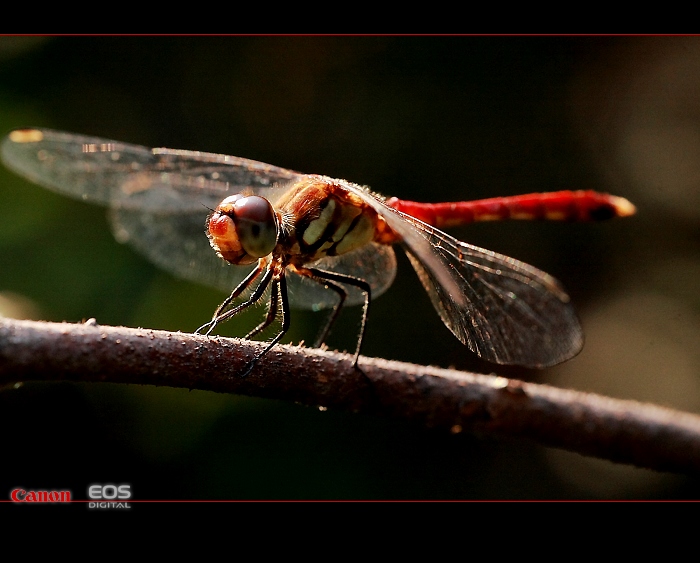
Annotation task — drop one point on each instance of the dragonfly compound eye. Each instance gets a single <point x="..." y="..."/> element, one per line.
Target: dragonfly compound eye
<point x="256" y="225"/>
<point x="243" y="229"/>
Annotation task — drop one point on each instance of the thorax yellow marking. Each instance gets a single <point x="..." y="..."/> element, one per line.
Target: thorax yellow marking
<point x="328" y="219"/>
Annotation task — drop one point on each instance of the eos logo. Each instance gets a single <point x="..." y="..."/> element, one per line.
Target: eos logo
<point x="109" y="492"/>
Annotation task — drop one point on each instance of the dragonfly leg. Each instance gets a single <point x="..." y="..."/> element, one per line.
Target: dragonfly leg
<point x="234" y="294"/>
<point x="220" y="317"/>
<point x="342" y="296"/>
<point x="280" y="290"/>
<point x="271" y="312"/>
<point x="325" y="277"/>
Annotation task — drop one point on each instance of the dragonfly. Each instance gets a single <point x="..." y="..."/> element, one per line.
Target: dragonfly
<point x="266" y="234"/>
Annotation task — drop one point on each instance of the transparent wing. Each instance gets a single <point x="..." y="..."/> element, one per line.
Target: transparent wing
<point x="374" y="263"/>
<point x="131" y="176"/>
<point x="159" y="200"/>
<point x="177" y="243"/>
<point x="504" y="310"/>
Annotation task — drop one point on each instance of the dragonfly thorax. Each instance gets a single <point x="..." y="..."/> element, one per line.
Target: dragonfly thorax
<point x="328" y="220"/>
<point x="243" y="229"/>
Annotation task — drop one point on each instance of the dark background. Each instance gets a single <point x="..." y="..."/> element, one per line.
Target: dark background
<point x="424" y="118"/>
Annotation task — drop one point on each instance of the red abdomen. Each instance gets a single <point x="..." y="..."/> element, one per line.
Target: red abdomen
<point x="554" y="206"/>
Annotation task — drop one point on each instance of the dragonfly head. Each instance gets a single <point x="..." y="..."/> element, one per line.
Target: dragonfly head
<point x="243" y="229"/>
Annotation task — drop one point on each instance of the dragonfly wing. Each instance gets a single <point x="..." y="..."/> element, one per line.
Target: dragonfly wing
<point x="509" y="312"/>
<point x="159" y="199"/>
<point x="177" y="243"/>
<point x="373" y="263"/>
<point x="504" y="310"/>
<point x="120" y="174"/>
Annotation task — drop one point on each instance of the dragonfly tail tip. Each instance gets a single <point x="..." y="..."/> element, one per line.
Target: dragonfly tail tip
<point x="623" y="207"/>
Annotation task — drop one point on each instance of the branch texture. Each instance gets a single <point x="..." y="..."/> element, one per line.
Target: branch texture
<point x="623" y="431"/>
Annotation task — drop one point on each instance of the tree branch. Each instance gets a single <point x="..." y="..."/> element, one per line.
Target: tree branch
<point x="623" y="431"/>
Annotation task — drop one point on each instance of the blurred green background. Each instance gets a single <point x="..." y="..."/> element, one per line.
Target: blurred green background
<point x="424" y="118"/>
